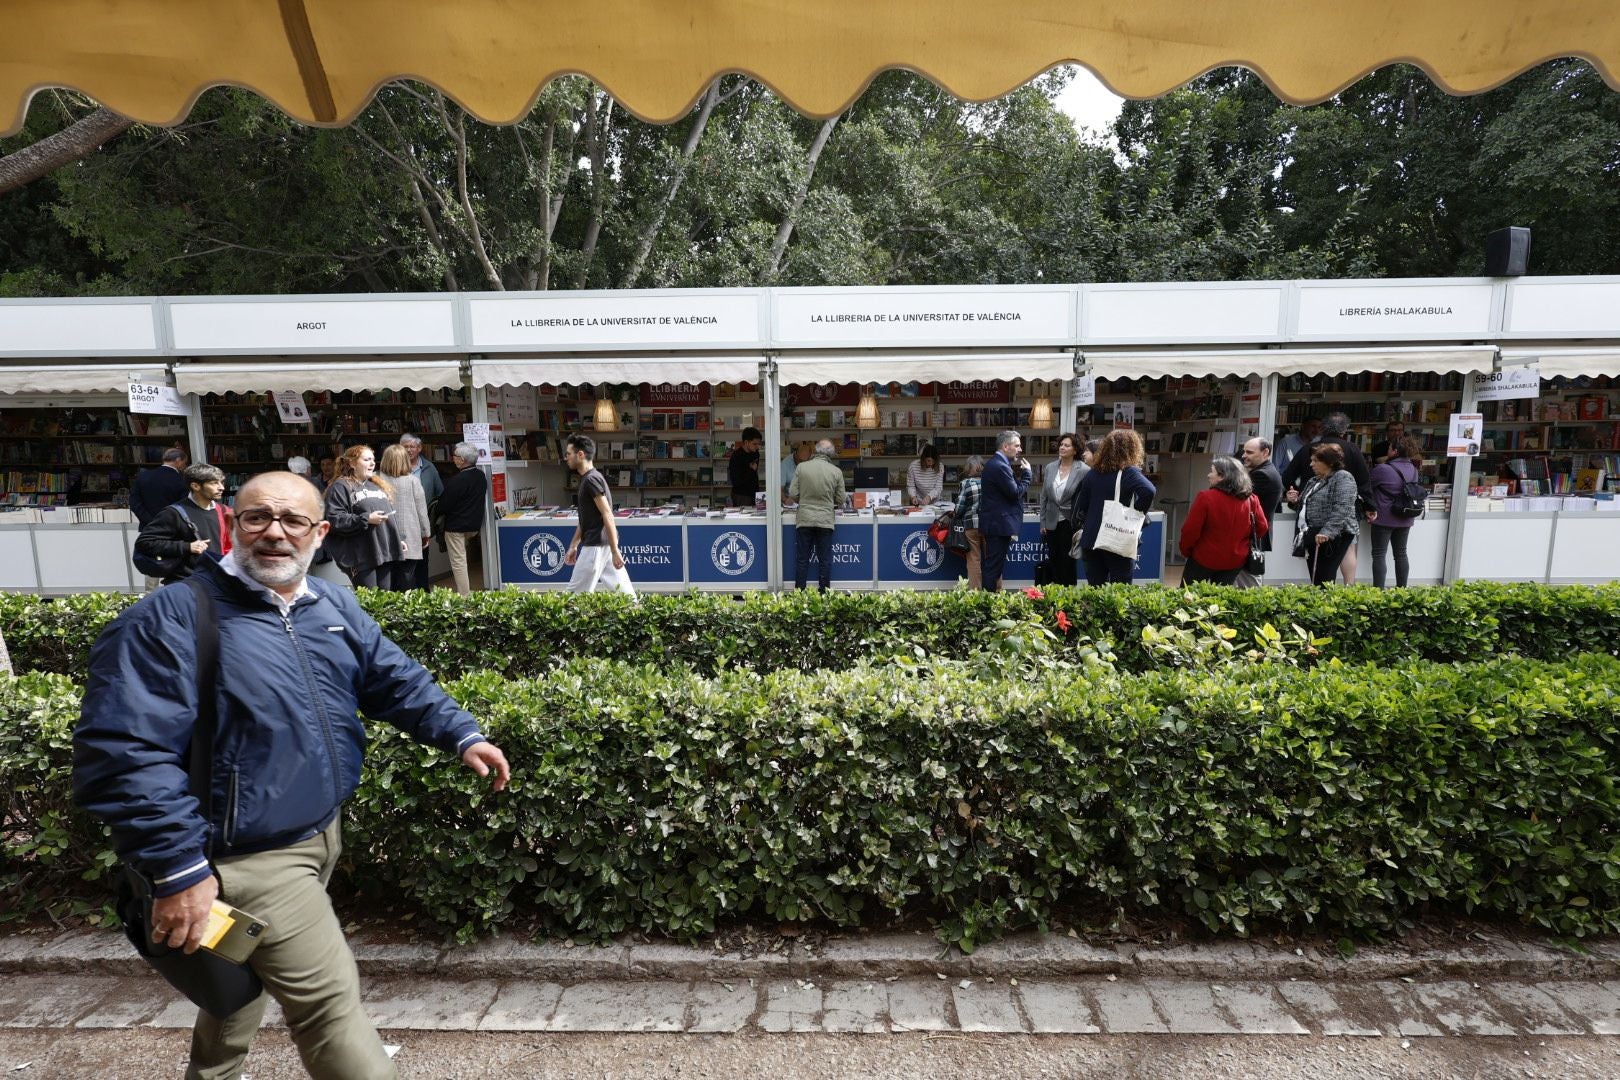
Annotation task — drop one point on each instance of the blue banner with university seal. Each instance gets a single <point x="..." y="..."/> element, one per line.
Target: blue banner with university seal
<point x="727" y="553"/>
<point x="852" y="554"/>
<point x="533" y="554"/>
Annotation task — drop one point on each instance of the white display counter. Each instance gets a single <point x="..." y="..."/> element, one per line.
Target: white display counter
<point x="1425" y="553"/>
<point x="68" y="558"/>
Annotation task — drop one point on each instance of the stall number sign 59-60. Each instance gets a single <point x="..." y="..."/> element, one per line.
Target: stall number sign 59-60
<point x="147" y="397"/>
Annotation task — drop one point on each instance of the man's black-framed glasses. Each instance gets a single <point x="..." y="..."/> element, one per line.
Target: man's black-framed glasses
<point x="256" y="521"/>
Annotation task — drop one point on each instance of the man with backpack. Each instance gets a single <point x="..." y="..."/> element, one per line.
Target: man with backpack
<point x="1399" y="499"/>
<point x="171" y="543"/>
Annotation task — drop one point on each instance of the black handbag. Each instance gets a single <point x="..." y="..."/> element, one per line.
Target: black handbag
<point x="211" y="982"/>
<point x="957" y="540"/>
<point x="1256" y="562"/>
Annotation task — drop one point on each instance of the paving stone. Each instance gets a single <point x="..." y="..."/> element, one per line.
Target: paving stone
<point x="622" y="1006"/>
<point x="1462" y="1009"/>
<point x="1595" y="1004"/>
<point x="882" y="955"/>
<point x="1221" y="961"/>
<point x="48" y="1001"/>
<point x="849" y="1006"/>
<point x="89" y="952"/>
<point x="920" y="1005"/>
<point x="17" y="950"/>
<point x="437" y="1005"/>
<point x="1257" y="1010"/>
<point x="503" y="957"/>
<point x="661" y="960"/>
<point x="126" y="1002"/>
<point x="1535" y="1013"/>
<point x="984" y="1006"/>
<point x="1045" y="954"/>
<point x="386" y="959"/>
<point x="1189" y="1007"/>
<point x="1056" y="1007"/>
<point x="178" y="1014"/>
<point x="522" y="1006"/>
<point x="721" y="1005"/>
<point x="1397" y="1009"/>
<point x="789" y="1006"/>
<point x="1125" y="1007"/>
<point x="1322" y="1010"/>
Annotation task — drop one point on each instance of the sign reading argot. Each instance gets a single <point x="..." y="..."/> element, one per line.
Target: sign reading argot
<point x="290" y="404"/>
<point x="1466" y="431"/>
<point x="155" y="397"/>
<point x="1507" y="384"/>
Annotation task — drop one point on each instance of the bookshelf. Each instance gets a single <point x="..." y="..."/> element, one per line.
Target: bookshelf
<point x="1564" y="442"/>
<point x="246" y="435"/>
<point x="79" y="455"/>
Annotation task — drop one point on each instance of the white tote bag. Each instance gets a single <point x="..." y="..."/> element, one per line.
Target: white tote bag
<point x="1121" y="530"/>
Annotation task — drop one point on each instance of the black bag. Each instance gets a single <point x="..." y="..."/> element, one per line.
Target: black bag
<point x="956" y="541"/>
<point x="211" y="982"/>
<point x="164" y="566"/>
<point x="1256" y="562"/>
<point x="1412" y="501"/>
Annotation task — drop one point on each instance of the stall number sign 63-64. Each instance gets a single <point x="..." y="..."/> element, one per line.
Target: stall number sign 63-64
<point x="146" y="397"/>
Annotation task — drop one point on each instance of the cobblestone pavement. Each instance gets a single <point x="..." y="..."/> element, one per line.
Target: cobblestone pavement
<point x="1394" y="1008"/>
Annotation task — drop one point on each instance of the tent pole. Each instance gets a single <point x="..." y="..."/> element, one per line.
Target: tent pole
<point x="771" y="392"/>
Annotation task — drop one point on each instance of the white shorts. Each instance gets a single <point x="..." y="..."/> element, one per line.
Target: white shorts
<point x="594" y="569"/>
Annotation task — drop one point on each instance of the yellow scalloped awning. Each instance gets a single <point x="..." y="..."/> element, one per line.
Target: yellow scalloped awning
<point x="322" y="60"/>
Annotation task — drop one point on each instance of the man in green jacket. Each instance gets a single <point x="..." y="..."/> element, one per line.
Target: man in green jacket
<point x="818" y="484"/>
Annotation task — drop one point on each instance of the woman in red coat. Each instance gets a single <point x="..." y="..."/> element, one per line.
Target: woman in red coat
<point x="1215" y="536"/>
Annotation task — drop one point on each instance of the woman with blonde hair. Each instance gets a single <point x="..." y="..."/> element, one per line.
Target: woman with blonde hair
<point x="1117" y="468"/>
<point x="410" y="514"/>
<point x="360" y="506"/>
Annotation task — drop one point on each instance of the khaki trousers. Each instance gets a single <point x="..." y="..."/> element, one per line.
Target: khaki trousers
<point x="305" y="965"/>
<point x="455" y="545"/>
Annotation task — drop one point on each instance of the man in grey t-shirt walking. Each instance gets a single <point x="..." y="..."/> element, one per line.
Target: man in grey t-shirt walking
<point x="594" y="551"/>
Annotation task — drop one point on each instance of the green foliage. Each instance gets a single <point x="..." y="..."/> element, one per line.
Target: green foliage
<point x="645" y="797"/>
<point x="526" y="633"/>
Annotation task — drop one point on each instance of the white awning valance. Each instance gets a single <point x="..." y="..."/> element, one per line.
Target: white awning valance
<point x="538" y="371"/>
<point x="1568" y="363"/>
<point x="864" y="367"/>
<point x="1131" y="365"/>
<point x="75" y="378"/>
<point x="335" y="374"/>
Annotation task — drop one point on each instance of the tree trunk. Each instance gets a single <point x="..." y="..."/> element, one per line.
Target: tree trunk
<point x="458" y="132"/>
<point x="73" y="142"/>
<point x="655" y="224"/>
<point x="597" y="126"/>
<point x="773" y="264"/>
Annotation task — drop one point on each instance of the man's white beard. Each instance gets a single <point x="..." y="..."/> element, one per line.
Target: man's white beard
<point x="272" y="575"/>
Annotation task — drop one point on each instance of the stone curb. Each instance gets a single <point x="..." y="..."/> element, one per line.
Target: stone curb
<point x="92" y="952"/>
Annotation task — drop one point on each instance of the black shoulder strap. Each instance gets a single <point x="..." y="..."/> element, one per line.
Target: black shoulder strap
<point x="202" y="735"/>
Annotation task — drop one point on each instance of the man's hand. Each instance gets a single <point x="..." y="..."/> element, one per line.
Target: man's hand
<point x="572" y="556"/>
<point x="484" y="757"/>
<point x="199" y="546"/>
<point x="618" y="559"/>
<point x="179" y="920"/>
<point x="1292" y="496"/>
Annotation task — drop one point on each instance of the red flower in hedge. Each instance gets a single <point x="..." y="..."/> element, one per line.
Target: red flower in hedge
<point x="1063" y="622"/>
<point x="1034" y="593"/>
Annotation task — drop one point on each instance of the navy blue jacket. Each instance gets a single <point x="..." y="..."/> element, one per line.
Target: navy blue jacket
<point x="1097" y="487"/>
<point x="289" y="743"/>
<point x="1001" y="497"/>
<point x="153" y="489"/>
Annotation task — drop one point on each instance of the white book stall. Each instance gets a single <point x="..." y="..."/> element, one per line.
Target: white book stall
<point x="1510" y="385"/>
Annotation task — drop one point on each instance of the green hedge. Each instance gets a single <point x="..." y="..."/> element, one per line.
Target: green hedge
<point x="1347" y="798"/>
<point x="530" y="633"/>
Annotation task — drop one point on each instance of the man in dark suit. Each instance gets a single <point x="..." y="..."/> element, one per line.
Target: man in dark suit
<point x="154" y="489"/>
<point x="1001" y="504"/>
<point x="1265" y="480"/>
